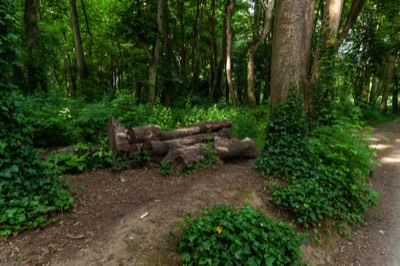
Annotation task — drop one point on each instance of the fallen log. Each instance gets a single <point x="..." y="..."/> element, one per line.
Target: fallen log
<point x="161" y="148"/>
<point x="228" y="149"/>
<point x="141" y="134"/>
<point x="118" y="138"/>
<point x="180" y="158"/>
<point x="202" y="127"/>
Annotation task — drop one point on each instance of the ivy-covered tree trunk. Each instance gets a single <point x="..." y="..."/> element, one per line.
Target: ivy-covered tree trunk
<point x="35" y="69"/>
<point x="289" y="40"/>
<point x="80" y="56"/>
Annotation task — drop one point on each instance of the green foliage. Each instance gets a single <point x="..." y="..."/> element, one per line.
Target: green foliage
<point x="326" y="171"/>
<point x="9" y="37"/>
<point x="29" y="191"/>
<point x="286" y="141"/>
<point x="227" y="236"/>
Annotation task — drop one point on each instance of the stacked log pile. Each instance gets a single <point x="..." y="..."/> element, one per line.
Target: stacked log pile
<point x="180" y="147"/>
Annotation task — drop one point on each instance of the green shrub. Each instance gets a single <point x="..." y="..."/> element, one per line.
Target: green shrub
<point x="286" y="141"/>
<point x="326" y="170"/>
<point x="227" y="236"/>
<point x="29" y="191"/>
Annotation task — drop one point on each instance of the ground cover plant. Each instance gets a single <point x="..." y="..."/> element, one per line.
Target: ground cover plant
<point x="29" y="191"/>
<point x="325" y="169"/>
<point x="237" y="237"/>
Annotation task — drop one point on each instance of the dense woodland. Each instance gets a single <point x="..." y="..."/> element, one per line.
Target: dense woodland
<point x="297" y="76"/>
<point x="163" y="51"/>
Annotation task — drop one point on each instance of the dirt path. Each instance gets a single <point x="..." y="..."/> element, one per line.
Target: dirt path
<point x="106" y="227"/>
<point x="378" y="242"/>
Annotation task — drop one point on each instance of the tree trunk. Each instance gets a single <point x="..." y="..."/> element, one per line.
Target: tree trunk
<point x="197" y="51"/>
<point x="228" y="149"/>
<point x="154" y="55"/>
<point x="388" y="81"/>
<point x="214" y="52"/>
<point x="395" y="98"/>
<point x="289" y="40"/>
<point x="168" y="92"/>
<point x="374" y="91"/>
<point x="267" y="77"/>
<point x="142" y="134"/>
<point x="118" y="139"/>
<point x="367" y="83"/>
<point x="230" y="4"/>
<point x="161" y="148"/>
<point x="180" y="158"/>
<point x="306" y="79"/>
<point x="327" y="44"/>
<point x="203" y="127"/>
<point x="356" y="7"/>
<point x="35" y="70"/>
<point x="181" y="10"/>
<point x="80" y="57"/>
<point x="257" y="40"/>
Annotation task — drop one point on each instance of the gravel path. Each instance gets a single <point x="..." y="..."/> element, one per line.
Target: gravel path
<point x="378" y="242"/>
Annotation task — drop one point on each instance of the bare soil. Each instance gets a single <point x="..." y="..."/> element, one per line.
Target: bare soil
<point x="106" y="227"/>
<point x="378" y="241"/>
<point x="127" y="218"/>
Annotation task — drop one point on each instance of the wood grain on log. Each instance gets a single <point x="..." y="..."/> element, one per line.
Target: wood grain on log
<point x="161" y="148"/>
<point x="117" y="137"/>
<point x="141" y="134"/>
<point x="202" y="127"/>
<point x="227" y="149"/>
<point x="180" y="158"/>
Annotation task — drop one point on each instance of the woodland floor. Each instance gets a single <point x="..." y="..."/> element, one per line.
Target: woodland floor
<point x="106" y="227"/>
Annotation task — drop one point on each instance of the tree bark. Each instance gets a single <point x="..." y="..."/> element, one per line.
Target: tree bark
<point x="289" y="40"/>
<point x="214" y="52"/>
<point x="327" y="44"/>
<point x="142" y="134"/>
<point x="80" y="57"/>
<point x="230" y="4"/>
<point x="395" y="97"/>
<point x="180" y="158"/>
<point x="154" y="55"/>
<point x="161" y="148"/>
<point x="228" y="149"/>
<point x="35" y="70"/>
<point x="388" y="81"/>
<point x="181" y="10"/>
<point x="257" y="40"/>
<point x="168" y="92"/>
<point x="374" y="91"/>
<point x="197" y="51"/>
<point x="118" y="139"/>
<point x="202" y="127"/>
<point x="356" y="7"/>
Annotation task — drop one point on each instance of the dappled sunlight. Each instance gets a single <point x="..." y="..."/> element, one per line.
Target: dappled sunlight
<point x="378" y="146"/>
<point x="372" y="139"/>
<point x="391" y="160"/>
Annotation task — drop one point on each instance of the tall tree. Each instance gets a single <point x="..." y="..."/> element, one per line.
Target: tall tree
<point x="257" y="40"/>
<point x="230" y="4"/>
<point x="35" y="70"/>
<point x="80" y="56"/>
<point x="388" y="80"/>
<point x="154" y="55"/>
<point x="290" y="38"/>
<point x="198" y="28"/>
